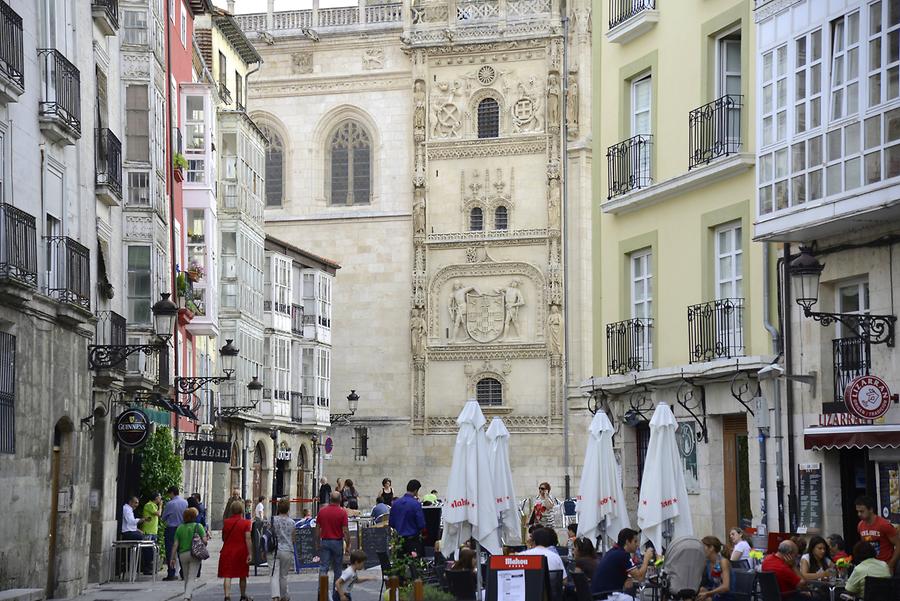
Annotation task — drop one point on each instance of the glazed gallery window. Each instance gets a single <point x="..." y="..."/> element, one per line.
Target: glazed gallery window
<point x="488" y="118"/>
<point x="139" y="284"/>
<point x="489" y="392"/>
<point x="137" y="122"/>
<point x="476" y="220"/>
<point x="135" y="27"/>
<point x="884" y="52"/>
<point x="274" y="168"/>
<point x="844" y="66"/>
<point x="350" y="165"/>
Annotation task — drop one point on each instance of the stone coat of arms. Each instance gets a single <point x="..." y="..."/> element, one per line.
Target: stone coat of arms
<point x="485" y="316"/>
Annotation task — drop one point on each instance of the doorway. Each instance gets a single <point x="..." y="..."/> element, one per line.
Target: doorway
<point x="857" y="479"/>
<point x="281" y="470"/>
<point x="736" y="464"/>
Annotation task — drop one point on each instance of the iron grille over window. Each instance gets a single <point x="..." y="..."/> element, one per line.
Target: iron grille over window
<point x="629" y="345"/>
<point x="716" y="329"/>
<point x="108" y="162"/>
<point x="715" y="129"/>
<point x="69" y="271"/>
<point x="629" y="165"/>
<point x="18" y="245"/>
<point x="12" y="60"/>
<point x="476" y="219"/>
<point x="489" y="392"/>
<point x="501" y="218"/>
<point x="361" y="443"/>
<point x="852" y="358"/>
<point x="350" y="162"/>
<point x="7" y="393"/>
<point x="488" y="118"/>
<point x="61" y="93"/>
<point x="622" y="10"/>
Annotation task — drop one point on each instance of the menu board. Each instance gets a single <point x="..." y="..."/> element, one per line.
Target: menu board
<point x="810" y="497"/>
<point x="305" y="555"/>
<point x="373" y="541"/>
<point x="889" y="490"/>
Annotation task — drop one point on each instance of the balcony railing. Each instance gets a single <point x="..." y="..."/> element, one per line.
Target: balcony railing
<point x="716" y="329"/>
<point x="852" y="358"/>
<point x="61" y="93"/>
<point x="714" y="129"/>
<point x="225" y="93"/>
<point x="12" y="57"/>
<point x="297" y="319"/>
<point x="69" y="271"/>
<point x="629" y="345"/>
<point x="108" y="162"/>
<point x="298" y="402"/>
<point x="111" y="8"/>
<point x="111" y="329"/>
<point x="18" y="246"/>
<point x="622" y="10"/>
<point x="628" y="163"/>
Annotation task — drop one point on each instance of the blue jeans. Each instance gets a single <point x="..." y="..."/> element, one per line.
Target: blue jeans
<point x="170" y="549"/>
<point x="331" y="554"/>
<point x="147" y="559"/>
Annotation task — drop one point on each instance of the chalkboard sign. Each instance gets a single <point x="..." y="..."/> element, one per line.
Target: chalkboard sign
<point x="810" y="495"/>
<point x="305" y="549"/>
<point x="373" y="541"/>
<point x="432" y="525"/>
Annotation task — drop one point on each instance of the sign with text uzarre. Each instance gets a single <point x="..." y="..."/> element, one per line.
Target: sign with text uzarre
<point x="207" y="450"/>
<point x="517" y="578"/>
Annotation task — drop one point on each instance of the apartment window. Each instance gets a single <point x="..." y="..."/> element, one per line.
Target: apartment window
<point x="844" y="76"/>
<point x="172" y="10"/>
<point x="195" y="124"/>
<point x="134" y="25"/>
<point x="183" y="26"/>
<point x="281" y="281"/>
<point x="729" y="261"/>
<point x="360" y="443"/>
<point x="488" y="118"/>
<point x="501" y="218"/>
<point x="808" y="82"/>
<point x="641" y="119"/>
<point x="324" y="300"/>
<point x="476" y="219"/>
<point x="641" y="284"/>
<point x="274" y="168"/>
<point x="729" y="64"/>
<point x="137" y="124"/>
<point x="196" y="171"/>
<point x="774" y="96"/>
<point x="139" y="284"/>
<point x="223" y="70"/>
<point x="852" y="297"/>
<point x="138" y="188"/>
<point x="323" y="378"/>
<point x="884" y="52"/>
<point x="489" y="392"/>
<point x="282" y="364"/>
<point x="7" y="393"/>
<point x="238" y="89"/>
<point x="349" y="161"/>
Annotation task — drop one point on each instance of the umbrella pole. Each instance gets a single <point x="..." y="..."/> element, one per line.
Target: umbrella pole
<point x="478" y="565"/>
<point x="601" y="528"/>
<point x="668" y="526"/>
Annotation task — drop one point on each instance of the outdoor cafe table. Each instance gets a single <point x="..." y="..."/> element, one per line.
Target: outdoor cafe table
<point x="834" y="585"/>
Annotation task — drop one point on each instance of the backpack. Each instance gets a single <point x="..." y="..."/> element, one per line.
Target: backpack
<point x="270" y="540"/>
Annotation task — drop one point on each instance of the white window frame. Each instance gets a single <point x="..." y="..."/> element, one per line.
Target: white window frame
<point x="323" y="299"/>
<point x="638" y="111"/>
<point x="774" y="96"/>
<point x="641" y="306"/>
<point x="135" y="30"/>
<point x="722" y="73"/>
<point x="863" y="293"/>
<point x="844" y="66"/>
<point x="323" y="377"/>
<point x="808" y="98"/>
<point x="734" y="281"/>
<point x="183" y="27"/>
<point x="129" y="294"/>
<point x="880" y="39"/>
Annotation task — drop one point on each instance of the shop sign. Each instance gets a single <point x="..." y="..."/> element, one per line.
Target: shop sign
<point x="207" y="450"/>
<point x="284" y="455"/>
<point x="132" y="428"/>
<point x="842" y="419"/>
<point x="867" y="397"/>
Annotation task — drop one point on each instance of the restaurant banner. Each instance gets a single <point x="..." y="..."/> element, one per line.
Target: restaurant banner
<point x="207" y="450"/>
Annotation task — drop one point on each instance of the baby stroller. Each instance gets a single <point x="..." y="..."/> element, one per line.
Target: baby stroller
<point x="683" y="571"/>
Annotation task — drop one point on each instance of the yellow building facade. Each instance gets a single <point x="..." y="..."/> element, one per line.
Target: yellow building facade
<point x="679" y="286"/>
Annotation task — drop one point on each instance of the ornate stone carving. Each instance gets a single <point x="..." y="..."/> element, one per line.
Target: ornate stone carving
<point x="553" y="203"/>
<point x="512" y="301"/>
<point x="486" y="370"/>
<point x="572" y="106"/>
<point x="554" y="331"/>
<point x="373" y="58"/>
<point x="458" y="306"/>
<point x="553" y="93"/>
<point x="471" y="149"/>
<point x="480" y="352"/>
<point x="517" y="424"/>
<point x="526" y="109"/>
<point x="325" y="85"/>
<point x="446" y="116"/>
<point x="138" y="227"/>
<point x="419" y="111"/>
<point x="488" y="194"/>
<point x="417" y="333"/>
<point x="301" y="62"/>
<point x="494" y="237"/>
<point x="419" y="211"/>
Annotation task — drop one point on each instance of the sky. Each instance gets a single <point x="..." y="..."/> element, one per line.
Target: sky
<point x="259" y="6"/>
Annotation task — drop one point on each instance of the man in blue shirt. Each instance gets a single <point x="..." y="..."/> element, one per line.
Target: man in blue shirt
<point x="615" y="571"/>
<point x="173" y="516"/>
<point x="408" y="519"/>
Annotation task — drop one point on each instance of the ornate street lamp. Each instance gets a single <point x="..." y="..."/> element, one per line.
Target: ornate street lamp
<point x="806" y="271"/>
<point x="254" y="390"/>
<point x="344" y="418"/>
<point x="189" y="385"/>
<point x="108" y="356"/>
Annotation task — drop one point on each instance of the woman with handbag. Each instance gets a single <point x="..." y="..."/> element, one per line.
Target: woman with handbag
<point x="190" y="547"/>
<point x="237" y="550"/>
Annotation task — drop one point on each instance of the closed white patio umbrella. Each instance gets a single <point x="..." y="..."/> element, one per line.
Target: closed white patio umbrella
<point x="501" y="475"/>
<point x="601" y="508"/>
<point x="663" y="493"/>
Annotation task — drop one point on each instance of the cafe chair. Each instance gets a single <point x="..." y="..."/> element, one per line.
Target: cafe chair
<point x="582" y="586"/>
<point x="555" y="578"/>
<point x="743" y="585"/>
<point x="768" y="587"/>
<point x="462" y="584"/>
<point x="882" y="589"/>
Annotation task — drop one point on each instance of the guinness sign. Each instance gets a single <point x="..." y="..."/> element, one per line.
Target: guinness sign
<point x="132" y="428"/>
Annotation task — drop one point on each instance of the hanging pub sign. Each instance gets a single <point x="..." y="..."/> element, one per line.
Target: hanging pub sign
<point x="867" y="397"/>
<point x="207" y="450"/>
<point x="132" y="428"/>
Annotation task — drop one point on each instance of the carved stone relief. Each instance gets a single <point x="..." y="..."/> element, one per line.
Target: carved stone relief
<point x="572" y="106"/>
<point x="446" y="116"/>
<point x="526" y="110"/>
<point x="554" y="331"/>
<point x="419" y="112"/>
<point x="373" y="58"/>
<point x="419" y="211"/>
<point x="301" y="62"/>
<point x="481" y="189"/>
<point x="553" y="101"/>
<point x="417" y="333"/>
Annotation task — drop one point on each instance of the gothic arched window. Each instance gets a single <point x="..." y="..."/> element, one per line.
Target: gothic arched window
<point x="274" y="168"/>
<point x="489" y="392"/>
<point x="488" y="118"/>
<point x="350" y="165"/>
<point x="501" y="218"/>
<point x="476" y="220"/>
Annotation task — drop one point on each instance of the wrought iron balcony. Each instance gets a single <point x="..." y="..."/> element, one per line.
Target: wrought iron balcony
<point x="622" y="10"/>
<point x="224" y="93"/>
<point x="61" y="90"/>
<point x="716" y="329"/>
<point x="69" y="271"/>
<point x="628" y="165"/>
<point x="629" y="345"/>
<point x="12" y="57"/>
<point x="714" y="129"/>
<point x="18" y="246"/>
<point x="111" y="329"/>
<point x="106" y="13"/>
<point x="297" y="319"/>
<point x="108" y="164"/>
<point x="852" y="358"/>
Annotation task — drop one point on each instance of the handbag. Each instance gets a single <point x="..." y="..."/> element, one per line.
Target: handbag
<point x="198" y="547"/>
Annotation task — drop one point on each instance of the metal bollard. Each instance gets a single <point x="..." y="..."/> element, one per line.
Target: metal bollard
<point x="418" y="590"/>
<point x="323" y="587"/>
<point x="394" y="588"/>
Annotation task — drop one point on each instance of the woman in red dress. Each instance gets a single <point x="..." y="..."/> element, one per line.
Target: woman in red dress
<point x="237" y="550"/>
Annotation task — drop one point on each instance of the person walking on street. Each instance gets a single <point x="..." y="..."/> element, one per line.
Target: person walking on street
<point x="332" y="532"/>
<point x="350" y="496"/>
<point x="201" y="509"/>
<point x="151" y="512"/>
<point x="184" y="537"/>
<point x="235" y="496"/>
<point x="387" y="492"/>
<point x="324" y="491"/>
<point x="259" y="513"/>
<point x="285" y="534"/>
<point x="878" y="532"/>
<point x="237" y="550"/>
<point x="173" y="516"/>
<point x="408" y="519"/>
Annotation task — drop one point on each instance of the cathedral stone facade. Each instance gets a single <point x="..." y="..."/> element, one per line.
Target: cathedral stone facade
<point x="423" y="148"/>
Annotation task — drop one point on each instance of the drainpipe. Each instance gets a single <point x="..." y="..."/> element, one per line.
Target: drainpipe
<point x="564" y="150"/>
<point x="764" y="432"/>
<point x="171" y="184"/>
<point x="789" y="389"/>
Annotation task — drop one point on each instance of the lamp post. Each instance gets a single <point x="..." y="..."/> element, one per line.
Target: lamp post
<point x="806" y="272"/>
<point x="254" y="392"/>
<point x="274" y="436"/>
<point x="344" y="418"/>
<point x="108" y="356"/>
<point x="189" y="385"/>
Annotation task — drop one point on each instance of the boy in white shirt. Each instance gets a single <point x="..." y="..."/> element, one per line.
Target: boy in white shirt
<point x="350" y="576"/>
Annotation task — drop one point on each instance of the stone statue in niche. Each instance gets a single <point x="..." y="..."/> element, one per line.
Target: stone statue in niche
<point x="572" y="106"/>
<point x="554" y="330"/>
<point x="458" y="308"/>
<point x="554" y="217"/>
<point x="419" y="100"/>
<point x="512" y="300"/>
<point x="553" y="92"/>
<point x="419" y="211"/>
<point x="417" y="333"/>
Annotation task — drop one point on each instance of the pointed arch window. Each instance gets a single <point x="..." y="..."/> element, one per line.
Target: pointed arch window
<point x="488" y="118"/>
<point x="274" y="167"/>
<point x="489" y="392"/>
<point x="350" y="165"/>
<point x="501" y="218"/>
<point x="476" y="220"/>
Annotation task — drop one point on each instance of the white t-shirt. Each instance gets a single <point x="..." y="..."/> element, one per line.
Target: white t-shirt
<point x="744" y="547"/>
<point x="260" y="511"/>
<point x="827" y="562"/>
<point x="349" y="577"/>
<point x="554" y="561"/>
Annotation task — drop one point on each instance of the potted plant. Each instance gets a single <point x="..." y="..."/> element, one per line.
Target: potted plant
<point x="179" y="164"/>
<point x="195" y="271"/>
<point x="181" y="287"/>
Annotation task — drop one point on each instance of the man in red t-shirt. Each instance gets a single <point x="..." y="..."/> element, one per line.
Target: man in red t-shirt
<point x="878" y="532"/>
<point x="332" y="532"/>
<point x="782" y="564"/>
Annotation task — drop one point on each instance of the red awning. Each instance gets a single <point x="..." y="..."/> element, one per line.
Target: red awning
<point x="846" y="437"/>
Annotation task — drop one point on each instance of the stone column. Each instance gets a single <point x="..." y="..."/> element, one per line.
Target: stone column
<point x="362" y="11"/>
<point x="314" y="23"/>
<point x="270" y="19"/>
